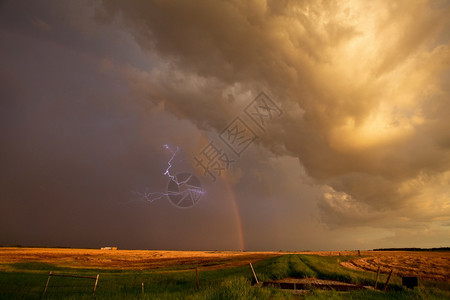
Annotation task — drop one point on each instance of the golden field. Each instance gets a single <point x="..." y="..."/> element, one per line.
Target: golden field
<point x="425" y="264"/>
<point x="128" y="259"/>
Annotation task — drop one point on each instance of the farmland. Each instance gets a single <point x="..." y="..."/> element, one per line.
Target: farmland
<point x="222" y="274"/>
<point x="430" y="265"/>
<point x="128" y="259"/>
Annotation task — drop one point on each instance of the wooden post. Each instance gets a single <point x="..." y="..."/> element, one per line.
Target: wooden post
<point x="142" y="288"/>
<point x="46" y="285"/>
<point x="359" y="253"/>
<point x="387" y="281"/>
<point x="95" y="285"/>
<point x="254" y="274"/>
<point x="196" y="277"/>
<point x="378" y="274"/>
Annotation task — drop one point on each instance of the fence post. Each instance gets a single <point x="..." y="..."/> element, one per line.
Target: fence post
<point x="46" y="285"/>
<point x="387" y="281"/>
<point x="95" y="285"/>
<point x="378" y="274"/>
<point x="254" y="274"/>
<point x="196" y="277"/>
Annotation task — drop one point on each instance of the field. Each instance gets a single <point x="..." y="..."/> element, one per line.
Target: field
<point x="427" y="265"/>
<point x="125" y="274"/>
<point x="128" y="259"/>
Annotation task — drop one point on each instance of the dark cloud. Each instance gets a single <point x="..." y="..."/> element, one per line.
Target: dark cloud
<point x="364" y="84"/>
<point x="95" y="88"/>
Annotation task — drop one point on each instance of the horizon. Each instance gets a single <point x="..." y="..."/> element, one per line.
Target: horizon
<point x="230" y="250"/>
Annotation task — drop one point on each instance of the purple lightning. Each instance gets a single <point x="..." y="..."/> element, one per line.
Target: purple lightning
<point x="194" y="192"/>
<point x="172" y="177"/>
<point x="153" y="196"/>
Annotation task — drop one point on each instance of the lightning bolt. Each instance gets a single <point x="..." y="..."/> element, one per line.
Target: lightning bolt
<point x="167" y="172"/>
<point x="153" y="196"/>
<point x="193" y="192"/>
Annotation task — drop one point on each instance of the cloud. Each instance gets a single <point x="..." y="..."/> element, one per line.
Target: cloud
<point x="360" y="155"/>
<point x="364" y="85"/>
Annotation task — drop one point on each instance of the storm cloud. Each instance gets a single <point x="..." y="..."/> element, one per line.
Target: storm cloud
<point x="361" y="150"/>
<point x="365" y="87"/>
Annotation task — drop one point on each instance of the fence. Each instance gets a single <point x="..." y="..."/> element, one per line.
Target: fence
<point x="71" y="276"/>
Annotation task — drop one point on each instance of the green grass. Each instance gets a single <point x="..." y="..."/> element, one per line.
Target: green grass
<point x="34" y="266"/>
<point x="284" y="266"/>
<point x="27" y="281"/>
<point x="323" y="267"/>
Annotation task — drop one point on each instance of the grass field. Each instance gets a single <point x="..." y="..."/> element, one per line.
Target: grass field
<point x="171" y="275"/>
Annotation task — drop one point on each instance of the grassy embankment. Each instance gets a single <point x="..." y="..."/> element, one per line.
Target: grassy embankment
<point x="27" y="281"/>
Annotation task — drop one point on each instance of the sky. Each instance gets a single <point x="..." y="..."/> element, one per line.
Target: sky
<point x="225" y="125"/>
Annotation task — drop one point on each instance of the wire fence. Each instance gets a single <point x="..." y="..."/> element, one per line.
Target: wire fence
<point x="51" y="284"/>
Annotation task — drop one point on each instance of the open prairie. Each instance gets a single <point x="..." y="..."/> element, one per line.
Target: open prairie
<point x="146" y="274"/>
<point x="424" y="264"/>
<point x="128" y="259"/>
